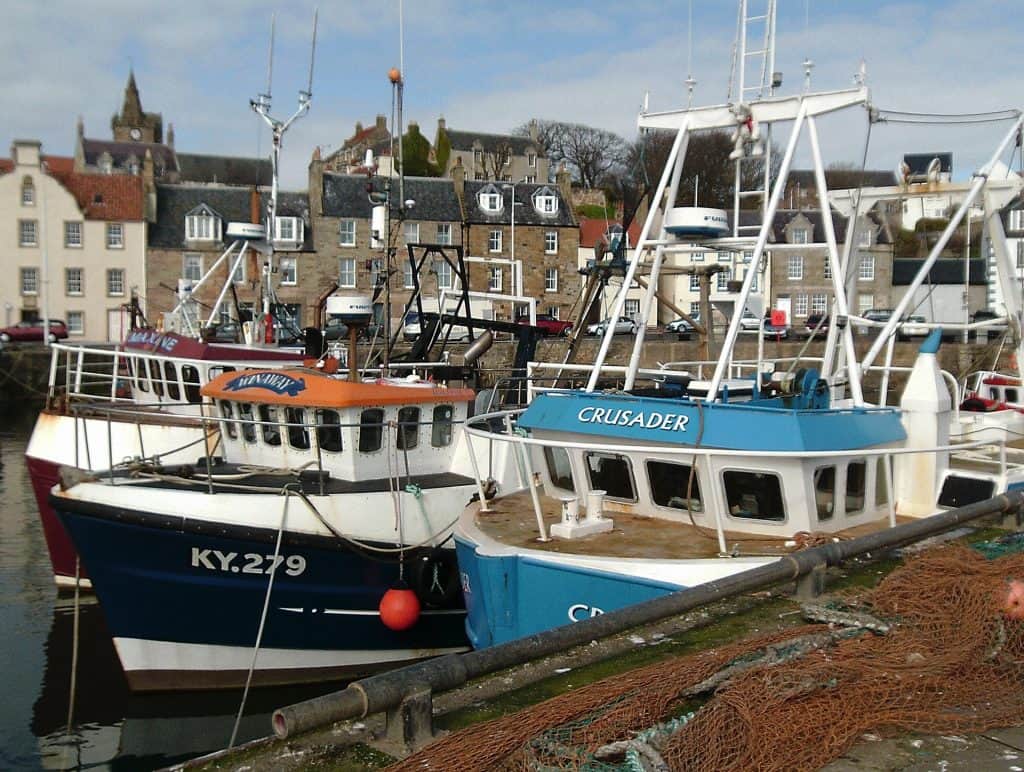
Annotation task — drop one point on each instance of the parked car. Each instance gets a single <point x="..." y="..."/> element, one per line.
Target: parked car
<point x="874" y="315"/>
<point x="749" y="322"/>
<point x="548" y="324"/>
<point x="23" y="332"/>
<point x="777" y="331"/>
<point x="623" y="326"/>
<point x="681" y="325"/>
<point x="812" y="324"/>
<point x="913" y="327"/>
<point x="990" y="333"/>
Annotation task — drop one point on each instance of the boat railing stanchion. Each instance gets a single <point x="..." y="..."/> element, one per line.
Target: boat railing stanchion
<point x="314" y="437"/>
<point x="1002" y="457"/>
<point x="520" y="474"/>
<point x="533" y="487"/>
<point x="110" y="444"/>
<point x="890" y="492"/>
<point x="476" y="470"/>
<point x="206" y="452"/>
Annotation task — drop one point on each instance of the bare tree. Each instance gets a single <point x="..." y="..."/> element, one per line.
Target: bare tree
<point x="496" y="156"/>
<point x="589" y="153"/>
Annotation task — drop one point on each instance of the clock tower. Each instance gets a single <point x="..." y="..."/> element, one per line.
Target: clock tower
<point x="133" y="124"/>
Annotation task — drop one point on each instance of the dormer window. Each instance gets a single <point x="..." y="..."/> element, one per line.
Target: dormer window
<point x="202" y="224"/>
<point x="798" y="236"/>
<point x="28" y="192"/>
<point x="133" y="164"/>
<point x="106" y="163"/>
<point x="864" y="238"/>
<point x="288" y="229"/>
<point x="531" y="160"/>
<point x="545" y="201"/>
<point x="490" y="199"/>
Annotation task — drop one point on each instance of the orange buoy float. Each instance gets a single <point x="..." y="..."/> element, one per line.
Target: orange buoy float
<point x="399" y="608"/>
<point x="1013" y="604"/>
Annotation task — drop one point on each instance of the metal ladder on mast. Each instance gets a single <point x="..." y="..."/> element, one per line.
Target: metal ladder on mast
<point x="752" y="77"/>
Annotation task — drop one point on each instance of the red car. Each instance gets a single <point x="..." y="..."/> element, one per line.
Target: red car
<point x="548" y="324"/>
<point x="33" y="331"/>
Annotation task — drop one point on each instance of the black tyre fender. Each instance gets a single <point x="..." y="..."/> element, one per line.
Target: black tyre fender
<point x="434" y="577"/>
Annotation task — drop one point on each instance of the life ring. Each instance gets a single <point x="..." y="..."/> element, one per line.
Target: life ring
<point x="434" y="577"/>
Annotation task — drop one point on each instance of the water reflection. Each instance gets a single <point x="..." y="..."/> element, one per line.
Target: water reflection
<point x="111" y="727"/>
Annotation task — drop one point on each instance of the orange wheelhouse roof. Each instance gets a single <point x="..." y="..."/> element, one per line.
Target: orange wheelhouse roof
<point x="308" y="388"/>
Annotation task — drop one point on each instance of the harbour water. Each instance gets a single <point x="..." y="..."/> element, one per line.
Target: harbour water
<point x="110" y="728"/>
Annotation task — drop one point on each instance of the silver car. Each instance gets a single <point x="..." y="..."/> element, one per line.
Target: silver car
<point x="623" y="326"/>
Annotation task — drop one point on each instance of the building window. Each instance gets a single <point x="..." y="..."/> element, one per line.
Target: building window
<point x="795" y="267"/>
<point x="27" y="233"/>
<point x="347" y="233"/>
<point x="546" y="203"/>
<point x="289" y="271"/>
<point x="723" y="278"/>
<point x="695" y="309"/>
<point x="748" y="255"/>
<point x="288" y="229"/>
<point x="115" y="281"/>
<point x="494" y="241"/>
<point x="494" y="282"/>
<point x="753" y="281"/>
<point x="798" y="236"/>
<point x="531" y="160"/>
<point x="800" y="305"/>
<point x="697" y="257"/>
<point x="819" y="303"/>
<point x="828" y="268"/>
<point x="506" y="177"/>
<point x="1016" y="220"/>
<point x="192" y="267"/>
<point x="554" y="312"/>
<point x="29" y="281"/>
<point x="76" y="322"/>
<point x="1020" y="254"/>
<point x="478" y="175"/>
<point x="73" y="234"/>
<point x="725" y="257"/>
<point x="238" y="277"/>
<point x="444" y="233"/>
<point x="694" y="283"/>
<point x="866" y="268"/>
<point x="411" y="232"/>
<point x="632" y="308"/>
<point x="115" y="235"/>
<point x="407" y="278"/>
<point x="73" y="281"/>
<point x="551" y="280"/>
<point x="28" y="192"/>
<point x="202" y="227"/>
<point x="865" y="302"/>
<point x="478" y="157"/>
<point x="550" y="242"/>
<point x="530" y="179"/>
<point x="347" y="272"/>
<point x="444" y="275"/>
<point x="490" y="201"/>
<point x="864" y="237"/>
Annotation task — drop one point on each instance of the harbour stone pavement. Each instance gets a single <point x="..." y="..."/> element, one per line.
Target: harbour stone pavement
<point x="993" y="751"/>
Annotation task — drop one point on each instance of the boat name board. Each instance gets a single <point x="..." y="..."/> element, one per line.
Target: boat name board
<point x="669" y="422"/>
<point x="278" y="383"/>
<point x="151" y="338"/>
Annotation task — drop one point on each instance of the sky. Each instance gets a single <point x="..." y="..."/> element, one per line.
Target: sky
<point x="488" y="66"/>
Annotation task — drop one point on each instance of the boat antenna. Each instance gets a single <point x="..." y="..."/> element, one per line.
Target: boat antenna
<point x="808" y="63"/>
<point x="261" y="106"/>
<point x="690" y="81"/>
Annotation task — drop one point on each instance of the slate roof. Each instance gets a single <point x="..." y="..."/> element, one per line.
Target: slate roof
<point x="945" y="271"/>
<point x="173" y="202"/>
<point x="783" y="217"/>
<point x="465" y="140"/>
<point x="163" y="156"/>
<point x="112" y="197"/>
<point x="345" y="195"/>
<point x="224" y="170"/>
<point x="526" y="213"/>
<point x="918" y="162"/>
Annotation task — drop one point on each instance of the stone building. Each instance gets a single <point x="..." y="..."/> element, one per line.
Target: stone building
<point x="350" y="157"/>
<point x="75" y="243"/>
<point x="504" y="157"/>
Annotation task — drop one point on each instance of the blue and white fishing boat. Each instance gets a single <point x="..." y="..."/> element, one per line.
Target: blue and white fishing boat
<point x="344" y="487"/>
<point x="714" y="468"/>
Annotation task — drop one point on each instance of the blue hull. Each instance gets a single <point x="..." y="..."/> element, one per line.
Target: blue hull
<point x="509" y="597"/>
<point x="190" y="582"/>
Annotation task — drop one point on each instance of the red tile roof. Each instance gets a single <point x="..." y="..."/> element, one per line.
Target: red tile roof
<point x="6" y="165"/>
<point x="54" y="163"/>
<point x="593" y="230"/>
<point x="104" y="196"/>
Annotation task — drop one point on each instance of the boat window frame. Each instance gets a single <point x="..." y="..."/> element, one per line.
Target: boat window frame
<point x="248" y="422"/>
<point x="408" y="428"/>
<point x="365" y="425"/>
<point x="172" y="380"/>
<point x="830" y="512"/>
<point x="227" y="417"/>
<point x="323" y="425"/>
<point x="442" y="432"/>
<point x="587" y="455"/>
<point x="190" y="380"/>
<point x="157" y="381"/>
<point x="690" y="468"/>
<point x="549" y="462"/>
<point x="140" y="375"/>
<point x="753" y="471"/>
<point x="847" y="510"/>
<point x="270" y="424"/>
<point x="298" y="426"/>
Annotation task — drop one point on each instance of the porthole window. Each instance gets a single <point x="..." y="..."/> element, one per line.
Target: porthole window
<point x="271" y="431"/>
<point x="408" y="428"/>
<point x="754" y="495"/>
<point x="610" y="472"/>
<point x="328" y="431"/>
<point x="674" y="486"/>
<point x="298" y="434"/>
<point x="441" y="429"/>
<point x="371" y="430"/>
<point x="229" y="419"/>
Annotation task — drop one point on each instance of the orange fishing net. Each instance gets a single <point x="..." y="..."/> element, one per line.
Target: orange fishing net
<point x="944" y="654"/>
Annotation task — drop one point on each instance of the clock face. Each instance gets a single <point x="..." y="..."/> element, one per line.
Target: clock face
<point x="135" y="133"/>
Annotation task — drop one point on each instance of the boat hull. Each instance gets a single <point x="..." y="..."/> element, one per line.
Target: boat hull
<point x="183" y="600"/>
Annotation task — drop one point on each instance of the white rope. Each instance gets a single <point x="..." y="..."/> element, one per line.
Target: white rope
<point x="263" y="618"/>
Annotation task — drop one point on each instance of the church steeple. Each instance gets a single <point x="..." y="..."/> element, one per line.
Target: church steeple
<point x="133" y="124"/>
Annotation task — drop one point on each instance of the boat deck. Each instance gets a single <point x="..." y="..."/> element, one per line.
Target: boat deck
<point x="511" y="521"/>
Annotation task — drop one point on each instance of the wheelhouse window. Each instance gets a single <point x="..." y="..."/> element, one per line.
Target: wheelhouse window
<point x="171" y="374"/>
<point x="856" y="485"/>
<point x="246" y="416"/>
<point x="371" y="430"/>
<point x="298" y="432"/>
<point x="190" y="379"/>
<point x="227" y="414"/>
<point x="268" y="425"/>
<point x="754" y="495"/>
<point x="328" y="431"/>
<point x="408" y="428"/>
<point x="559" y="468"/>
<point x="155" y="377"/>
<point x="675" y="486"/>
<point x="441" y="426"/>
<point x="825" y="492"/>
<point x="611" y="473"/>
